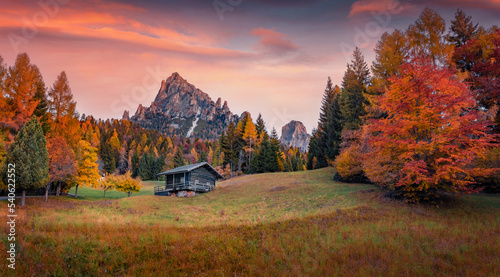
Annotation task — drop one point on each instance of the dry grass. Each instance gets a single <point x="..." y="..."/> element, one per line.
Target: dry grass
<point x="271" y="224"/>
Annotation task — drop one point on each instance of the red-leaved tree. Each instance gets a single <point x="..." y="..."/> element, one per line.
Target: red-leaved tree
<point x="432" y="136"/>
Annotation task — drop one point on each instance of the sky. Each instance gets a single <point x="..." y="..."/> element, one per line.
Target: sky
<point x="263" y="56"/>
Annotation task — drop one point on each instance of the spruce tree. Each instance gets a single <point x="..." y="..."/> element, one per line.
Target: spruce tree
<point x="42" y="109"/>
<point x="325" y="102"/>
<point x="179" y="157"/>
<point x="260" y="126"/>
<point x="332" y="134"/>
<point x="135" y="164"/>
<point x="29" y="154"/>
<point x="146" y="169"/>
<point x="352" y="97"/>
<point x="462" y="29"/>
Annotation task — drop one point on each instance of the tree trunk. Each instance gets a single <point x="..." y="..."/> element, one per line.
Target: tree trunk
<point x="47" y="188"/>
<point x="23" y="198"/>
<point x="58" y="191"/>
<point x="129" y="193"/>
<point x="76" y="190"/>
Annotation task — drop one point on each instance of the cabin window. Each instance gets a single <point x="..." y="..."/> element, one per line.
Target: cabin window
<point x="170" y="179"/>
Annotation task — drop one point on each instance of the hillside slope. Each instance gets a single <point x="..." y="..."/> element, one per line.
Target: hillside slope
<point x="299" y="223"/>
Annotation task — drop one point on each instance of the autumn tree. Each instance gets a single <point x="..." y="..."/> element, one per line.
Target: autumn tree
<point x="480" y="60"/>
<point x="61" y="99"/>
<point x="427" y="37"/>
<point x="250" y="137"/>
<point x="391" y="51"/>
<point x="22" y="82"/>
<point x="29" y="154"/>
<point x="431" y="137"/>
<point x="126" y="183"/>
<point x="88" y="172"/>
<point x="62" y="108"/>
<point x="62" y="163"/>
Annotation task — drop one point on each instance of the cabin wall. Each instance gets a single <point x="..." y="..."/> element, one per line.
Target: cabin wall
<point x="203" y="176"/>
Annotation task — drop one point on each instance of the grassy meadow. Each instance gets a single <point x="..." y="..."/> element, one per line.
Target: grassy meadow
<point x="299" y="223"/>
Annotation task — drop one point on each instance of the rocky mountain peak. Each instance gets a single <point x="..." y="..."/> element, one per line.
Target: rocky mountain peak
<point x="182" y="109"/>
<point x="295" y="134"/>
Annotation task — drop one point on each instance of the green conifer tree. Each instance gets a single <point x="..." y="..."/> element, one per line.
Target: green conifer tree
<point x="28" y="153"/>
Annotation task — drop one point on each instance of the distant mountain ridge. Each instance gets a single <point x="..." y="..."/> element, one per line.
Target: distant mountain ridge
<point x="294" y="134"/>
<point x="182" y="109"/>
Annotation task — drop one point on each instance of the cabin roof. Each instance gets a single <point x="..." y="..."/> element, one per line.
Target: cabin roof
<point x="191" y="167"/>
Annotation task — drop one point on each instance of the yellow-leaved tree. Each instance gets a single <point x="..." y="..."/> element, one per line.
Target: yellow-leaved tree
<point x="128" y="184"/>
<point x="88" y="173"/>
<point x="123" y="183"/>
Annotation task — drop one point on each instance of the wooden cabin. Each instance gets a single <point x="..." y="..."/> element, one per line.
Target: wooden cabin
<point x="188" y="180"/>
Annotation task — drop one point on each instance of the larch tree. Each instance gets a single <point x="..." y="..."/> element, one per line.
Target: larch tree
<point x="23" y="81"/>
<point x="427" y="37"/>
<point x="28" y="153"/>
<point x="391" y="52"/>
<point x="61" y="98"/>
<point x="62" y="163"/>
<point x="62" y="108"/>
<point x="88" y="172"/>
<point x="250" y="137"/>
<point x="432" y="135"/>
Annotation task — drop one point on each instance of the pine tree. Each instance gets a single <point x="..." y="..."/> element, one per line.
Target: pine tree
<point x="42" y="109"/>
<point x="230" y="146"/>
<point x="352" y="97"/>
<point x="146" y="169"/>
<point x="332" y="133"/>
<point x="179" y="157"/>
<point x="107" y="157"/>
<point x="28" y="153"/>
<point x="260" y="126"/>
<point x="135" y="164"/>
<point x="462" y="29"/>
<point x="158" y="166"/>
<point x="325" y="102"/>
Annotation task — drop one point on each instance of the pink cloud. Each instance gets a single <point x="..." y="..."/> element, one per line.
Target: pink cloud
<point x="366" y="6"/>
<point x="274" y="42"/>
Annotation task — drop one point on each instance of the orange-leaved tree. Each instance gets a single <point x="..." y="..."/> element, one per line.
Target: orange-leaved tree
<point x="62" y="163"/>
<point x="433" y="133"/>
